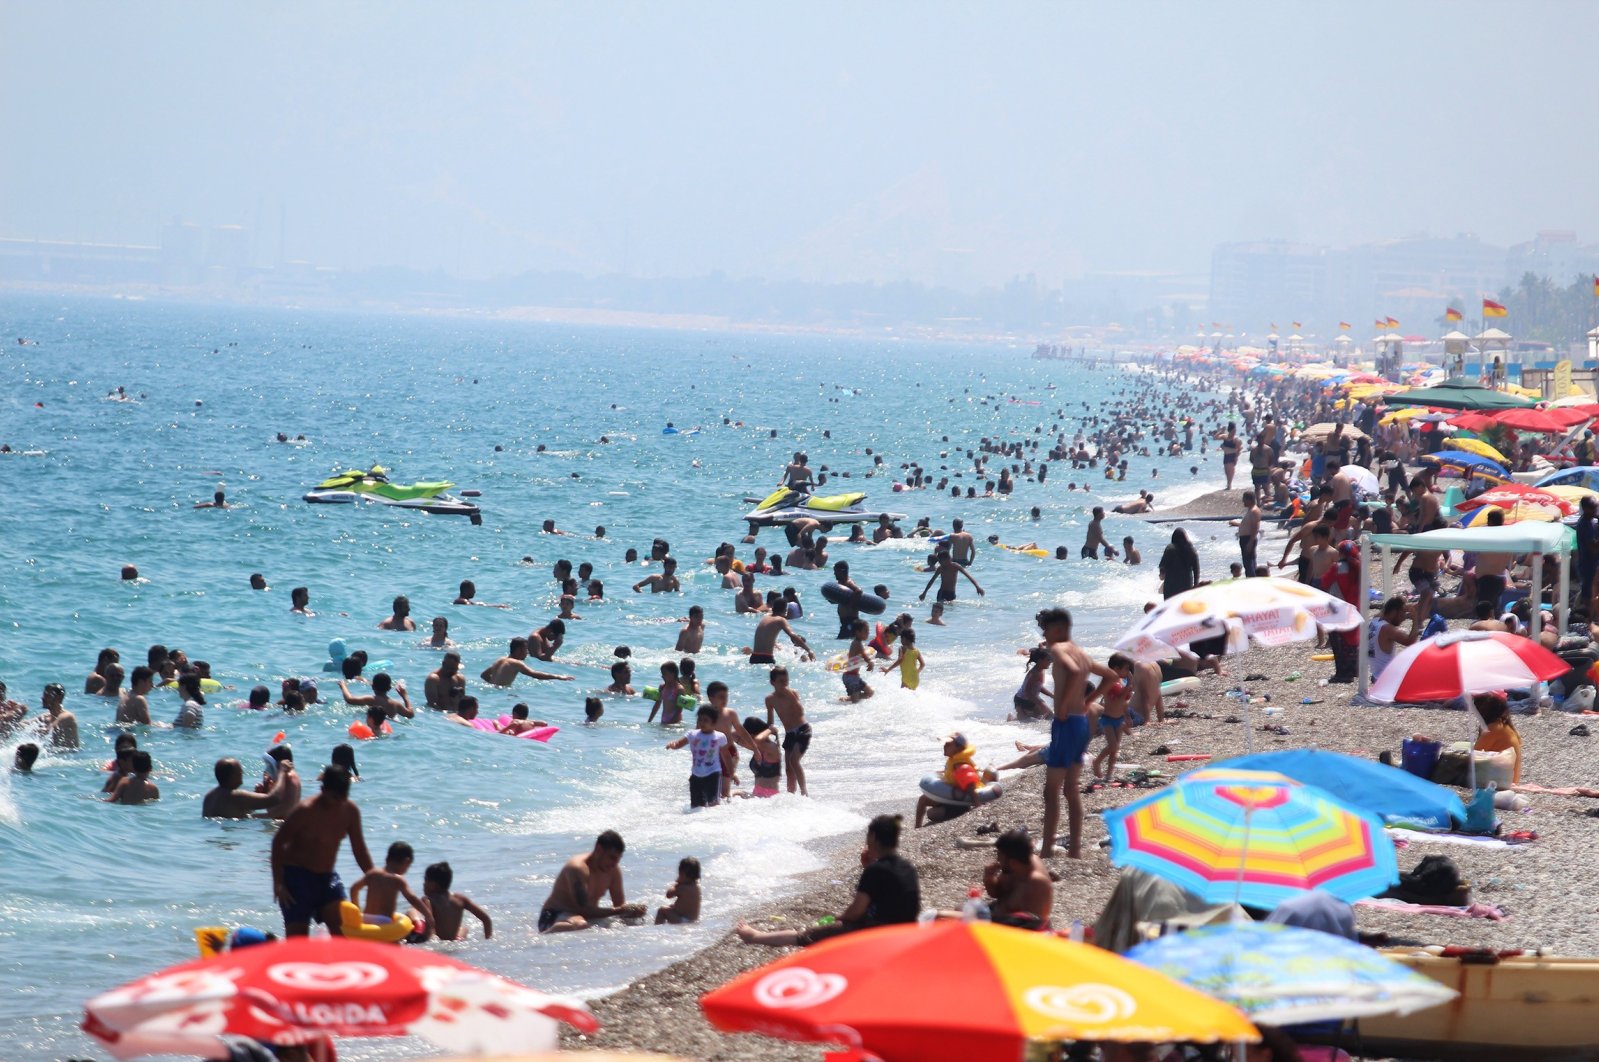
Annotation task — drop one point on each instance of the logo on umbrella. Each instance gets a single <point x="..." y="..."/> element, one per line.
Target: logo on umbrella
<point x="1085" y="1004"/>
<point x="327" y="977"/>
<point x="796" y="987"/>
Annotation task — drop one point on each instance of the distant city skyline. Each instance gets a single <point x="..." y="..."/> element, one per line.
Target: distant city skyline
<point x="950" y="145"/>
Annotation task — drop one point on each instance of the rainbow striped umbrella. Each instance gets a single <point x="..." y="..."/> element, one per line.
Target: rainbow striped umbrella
<point x="1252" y="837"/>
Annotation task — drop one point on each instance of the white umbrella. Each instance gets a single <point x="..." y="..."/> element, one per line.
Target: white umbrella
<point x="1364" y="479"/>
<point x="1270" y="610"/>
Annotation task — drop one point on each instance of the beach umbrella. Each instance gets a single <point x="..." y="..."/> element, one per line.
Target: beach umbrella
<point x="1396" y="795"/>
<point x="968" y="990"/>
<point x="1462" y="663"/>
<point x="1285" y="975"/>
<point x="1458" y="393"/>
<point x="1364" y="479"/>
<point x="1252" y="837"/>
<point x="1576" y="476"/>
<point x="1571" y="493"/>
<point x="1512" y="514"/>
<point x="1513" y="493"/>
<point x="1324" y="431"/>
<point x="1473" y="421"/>
<point x="1459" y="459"/>
<point x="1542" y="421"/>
<point x="1478" y="447"/>
<point x="305" y="989"/>
<point x="1270" y="610"/>
<point x="1584" y="402"/>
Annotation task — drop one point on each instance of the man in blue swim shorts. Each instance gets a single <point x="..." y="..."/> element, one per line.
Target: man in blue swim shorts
<point x="305" y="850"/>
<point x="1068" y="733"/>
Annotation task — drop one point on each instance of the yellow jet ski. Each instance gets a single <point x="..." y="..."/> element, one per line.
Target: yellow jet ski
<point x="786" y="505"/>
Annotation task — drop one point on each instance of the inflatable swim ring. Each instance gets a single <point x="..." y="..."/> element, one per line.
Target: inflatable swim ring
<point x="686" y="701"/>
<point x="1178" y="685"/>
<point x="361" y="732"/>
<point x="866" y="604"/>
<point x="941" y="791"/>
<point x="354" y="924"/>
<point x="207" y="685"/>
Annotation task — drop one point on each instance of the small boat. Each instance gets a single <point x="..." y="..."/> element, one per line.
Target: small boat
<point x="786" y="505"/>
<point x="372" y="485"/>
<point x="1512" y="1005"/>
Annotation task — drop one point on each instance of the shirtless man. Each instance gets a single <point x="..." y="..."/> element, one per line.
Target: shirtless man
<point x="1096" y="538"/>
<point x="945" y="572"/>
<point x="468" y="596"/>
<point x="797" y="476"/>
<point x="582" y="880"/>
<point x="136" y="788"/>
<point x="962" y="547"/>
<point x="692" y="637"/>
<point x="401" y="619"/>
<point x="1248" y="533"/>
<point x="849" y="611"/>
<point x="219" y="500"/>
<point x="765" y="639"/>
<point x="443" y="687"/>
<point x="380" y="697"/>
<point x="1343" y="487"/>
<point x="1493" y="572"/>
<point x="1018" y="881"/>
<point x="1147" y="700"/>
<point x="300" y="601"/>
<point x="503" y="671"/>
<point x="543" y="643"/>
<point x="662" y="582"/>
<point x="58" y="727"/>
<point x="748" y="600"/>
<point x="230" y="800"/>
<point x="305" y="850"/>
<point x="1070" y="669"/>
<point x="133" y="706"/>
<point x="785" y="704"/>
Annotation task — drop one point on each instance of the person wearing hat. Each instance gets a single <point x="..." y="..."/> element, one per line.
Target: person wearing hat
<point x="958" y="753"/>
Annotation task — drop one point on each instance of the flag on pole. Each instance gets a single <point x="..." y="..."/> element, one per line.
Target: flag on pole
<point x="1596" y="286"/>
<point x="1297" y="326"/>
<point x="1452" y="314"/>
<point x="1493" y="309"/>
<point x="1391" y="323"/>
<point x="1381" y="323"/>
<point x="1343" y="326"/>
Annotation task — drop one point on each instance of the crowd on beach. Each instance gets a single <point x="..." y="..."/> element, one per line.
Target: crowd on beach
<point x="1314" y="497"/>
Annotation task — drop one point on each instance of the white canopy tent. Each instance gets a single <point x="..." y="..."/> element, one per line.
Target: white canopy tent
<point x="1536" y="539"/>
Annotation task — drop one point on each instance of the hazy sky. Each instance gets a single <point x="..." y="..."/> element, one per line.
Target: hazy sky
<point x="951" y="143"/>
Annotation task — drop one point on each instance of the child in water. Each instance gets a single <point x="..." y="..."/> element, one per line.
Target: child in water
<point x="910" y="661"/>
<point x="705" y="743"/>
<point x="666" y="697"/>
<point x="684" y="894"/>
<point x="385" y="887"/>
<point x="448" y="907"/>
<point x="1029" y="697"/>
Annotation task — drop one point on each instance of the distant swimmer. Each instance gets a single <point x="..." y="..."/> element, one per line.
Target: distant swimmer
<point x="584" y="879"/>
<point x="130" y="574"/>
<point x="445" y="685"/>
<point x="381" y="697"/>
<point x="300" y="601"/>
<point x="440" y="638"/>
<point x="764" y="642"/>
<point x="400" y="619"/>
<point x="258" y="581"/>
<point x="663" y="582"/>
<point x="219" y="500"/>
<point x="230" y="800"/>
<point x="468" y="594"/>
<point x="504" y="671"/>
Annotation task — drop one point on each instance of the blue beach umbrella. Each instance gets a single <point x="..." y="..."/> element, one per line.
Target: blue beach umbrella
<point x="1578" y="476"/>
<point x="1283" y="975"/>
<point x="1400" y="797"/>
<point x="1462" y="459"/>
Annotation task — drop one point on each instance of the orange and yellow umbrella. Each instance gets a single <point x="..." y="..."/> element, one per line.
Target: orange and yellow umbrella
<point x="968" y="990"/>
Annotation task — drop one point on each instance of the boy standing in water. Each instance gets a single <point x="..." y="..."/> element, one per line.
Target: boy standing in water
<point x="666" y="697"/>
<point x="385" y="887"/>
<point x="855" y="687"/>
<point x="910" y="661"/>
<point x="785" y="704"/>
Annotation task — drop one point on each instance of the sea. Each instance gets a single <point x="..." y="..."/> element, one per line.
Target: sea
<point x="549" y="422"/>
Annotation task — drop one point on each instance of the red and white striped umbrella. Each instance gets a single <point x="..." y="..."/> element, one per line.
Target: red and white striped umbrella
<point x="1461" y="663"/>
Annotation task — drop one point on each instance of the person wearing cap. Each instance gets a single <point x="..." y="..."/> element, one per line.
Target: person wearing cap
<point x="59" y="727"/>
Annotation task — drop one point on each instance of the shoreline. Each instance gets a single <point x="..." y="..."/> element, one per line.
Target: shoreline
<point x="1546" y="888"/>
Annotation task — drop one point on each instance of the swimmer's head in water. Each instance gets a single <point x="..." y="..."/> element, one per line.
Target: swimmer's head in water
<point x="469" y="588"/>
<point x="260" y="696"/>
<point x="129" y="573"/>
<point x="257" y="581"/>
<point x="344" y="756"/>
<point x="467" y="708"/>
<point x="381" y="682"/>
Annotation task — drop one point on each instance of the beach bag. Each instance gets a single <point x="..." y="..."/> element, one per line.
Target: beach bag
<point x="1435" y="879"/>
<point x="1420" y="756"/>
<point x="1450" y="768"/>
<point x="1480" y="818"/>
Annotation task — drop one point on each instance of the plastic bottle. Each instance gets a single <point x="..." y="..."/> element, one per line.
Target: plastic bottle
<point x="974" y="909"/>
<point x="1292" y="676"/>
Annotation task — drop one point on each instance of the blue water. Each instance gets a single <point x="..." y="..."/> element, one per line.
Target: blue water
<point x="92" y="895"/>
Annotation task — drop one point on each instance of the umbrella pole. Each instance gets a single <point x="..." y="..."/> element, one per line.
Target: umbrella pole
<point x="1243" y="854"/>
<point x="1471" y="753"/>
<point x="1362" y="636"/>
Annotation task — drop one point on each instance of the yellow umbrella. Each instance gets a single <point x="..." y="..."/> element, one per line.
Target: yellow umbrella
<point x="1403" y="414"/>
<point x="1478" y="447"/>
<point x="1571" y="492"/>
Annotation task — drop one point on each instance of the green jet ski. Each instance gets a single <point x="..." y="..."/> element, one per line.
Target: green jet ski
<point x="372" y="485"/>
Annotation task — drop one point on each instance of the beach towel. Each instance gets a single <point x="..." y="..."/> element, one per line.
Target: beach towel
<point x="1418" y="837"/>
<point x="1474" y="910"/>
